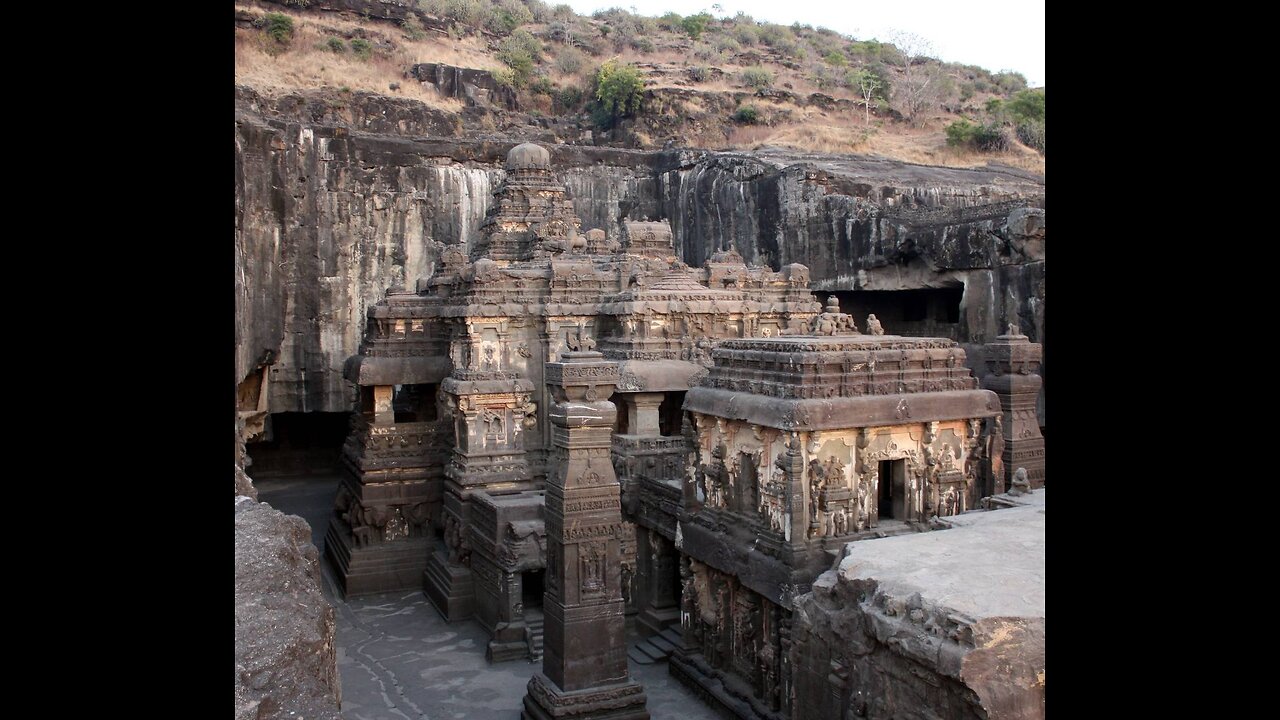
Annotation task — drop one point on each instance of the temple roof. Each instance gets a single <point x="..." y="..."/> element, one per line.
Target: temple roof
<point x="528" y="155"/>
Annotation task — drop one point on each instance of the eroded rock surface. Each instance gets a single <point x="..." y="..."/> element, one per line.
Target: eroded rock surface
<point x="286" y="662"/>
<point x="943" y="624"/>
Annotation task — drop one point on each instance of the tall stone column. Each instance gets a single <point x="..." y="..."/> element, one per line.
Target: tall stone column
<point x="1012" y="365"/>
<point x="584" y="666"/>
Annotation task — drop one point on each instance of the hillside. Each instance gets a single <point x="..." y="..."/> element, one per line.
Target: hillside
<point x="525" y="70"/>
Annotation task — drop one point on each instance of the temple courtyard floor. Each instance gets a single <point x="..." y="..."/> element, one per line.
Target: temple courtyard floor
<point x="399" y="659"/>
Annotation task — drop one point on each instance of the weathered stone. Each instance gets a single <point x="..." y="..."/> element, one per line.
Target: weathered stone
<point x="286" y="663"/>
<point x="945" y="624"/>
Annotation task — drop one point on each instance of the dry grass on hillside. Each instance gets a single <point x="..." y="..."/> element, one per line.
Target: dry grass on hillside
<point x="309" y="64"/>
<point x="836" y="133"/>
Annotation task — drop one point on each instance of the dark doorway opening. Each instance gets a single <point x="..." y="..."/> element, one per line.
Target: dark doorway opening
<point x="669" y="413"/>
<point x="299" y="444"/>
<point x="414" y="403"/>
<point x="747" y="482"/>
<point x="620" y="423"/>
<point x="885" y="506"/>
<point x="925" y="312"/>
<point x="532" y="587"/>
<point x="893" y="491"/>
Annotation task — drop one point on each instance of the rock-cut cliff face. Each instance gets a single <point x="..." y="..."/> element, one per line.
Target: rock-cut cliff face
<point x="333" y="209"/>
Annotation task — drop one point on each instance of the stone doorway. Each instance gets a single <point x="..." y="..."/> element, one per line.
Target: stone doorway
<point x="532" y="587"/>
<point x="893" y="489"/>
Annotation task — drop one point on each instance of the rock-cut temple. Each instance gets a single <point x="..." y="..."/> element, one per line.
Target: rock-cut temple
<point x="560" y="430"/>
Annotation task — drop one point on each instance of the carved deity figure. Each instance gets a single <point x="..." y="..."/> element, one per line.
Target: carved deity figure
<point x="947" y="502"/>
<point x="865" y="485"/>
<point x="418" y="515"/>
<point x="948" y="461"/>
<point x="1020" y="485"/>
<point x="840" y="522"/>
<point x="995" y="450"/>
<point x="715" y="495"/>
<point x="873" y="325"/>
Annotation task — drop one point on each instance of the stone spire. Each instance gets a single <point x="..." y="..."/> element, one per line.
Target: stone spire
<point x="584" y="668"/>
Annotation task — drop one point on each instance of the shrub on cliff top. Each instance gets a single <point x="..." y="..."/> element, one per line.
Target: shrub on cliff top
<point x="278" y="27"/>
<point x="758" y="78"/>
<point x="694" y="25"/>
<point x="619" y="91"/>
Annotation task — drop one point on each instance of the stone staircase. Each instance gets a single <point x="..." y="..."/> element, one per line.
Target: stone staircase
<point x="657" y="647"/>
<point x="533" y="633"/>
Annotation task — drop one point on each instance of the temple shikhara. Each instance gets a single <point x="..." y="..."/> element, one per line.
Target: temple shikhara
<point x="562" y="434"/>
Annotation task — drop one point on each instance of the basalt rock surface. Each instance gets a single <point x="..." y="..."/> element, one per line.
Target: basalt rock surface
<point x="286" y="657"/>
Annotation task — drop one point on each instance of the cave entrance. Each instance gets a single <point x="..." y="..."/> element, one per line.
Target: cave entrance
<point x="926" y="312"/>
<point x="299" y="444"/>
<point x="893" y="490"/>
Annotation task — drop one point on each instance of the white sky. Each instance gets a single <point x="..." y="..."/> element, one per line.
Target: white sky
<point x="994" y="34"/>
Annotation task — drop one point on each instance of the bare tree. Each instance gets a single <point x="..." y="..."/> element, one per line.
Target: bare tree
<point x="922" y="84"/>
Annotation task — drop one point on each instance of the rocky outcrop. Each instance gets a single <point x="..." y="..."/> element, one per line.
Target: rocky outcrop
<point x="286" y="662"/>
<point x="470" y="86"/>
<point x="943" y="624"/>
<point x="331" y="213"/>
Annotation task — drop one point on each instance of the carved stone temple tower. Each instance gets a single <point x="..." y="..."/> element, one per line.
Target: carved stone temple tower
<point x="584" y="668"/>
<point x="1012" y="365"/>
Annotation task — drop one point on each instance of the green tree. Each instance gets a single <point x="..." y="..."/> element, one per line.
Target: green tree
<point x="278" y="27"/>
<point x="870" y="85"/>
<point x="619" y="90"/>
<point x="1027" y="105"/>
<point x="695" y="24"/>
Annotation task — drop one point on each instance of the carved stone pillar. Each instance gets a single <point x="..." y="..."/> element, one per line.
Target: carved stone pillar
<point x="584" y="666"/>
<point x="1012" y="362"/>
<point x="643" y="414"/>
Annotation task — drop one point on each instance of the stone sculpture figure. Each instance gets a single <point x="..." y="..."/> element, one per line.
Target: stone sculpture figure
<point x="873" y="325"/>
<point x="418" y="515"/>
<point x="1020" y="484"/>
<point x="995" y="452"/>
